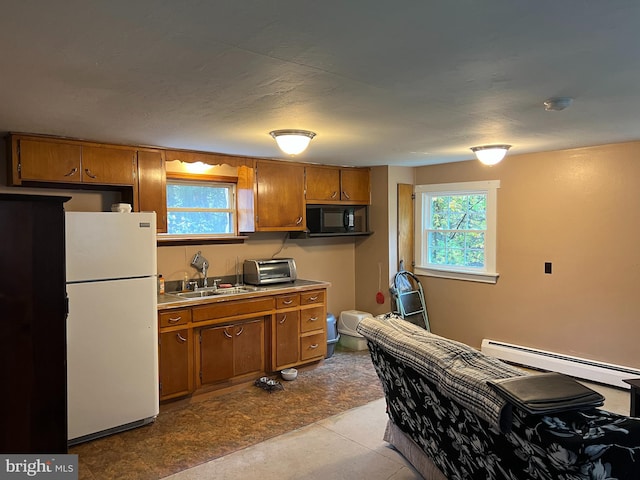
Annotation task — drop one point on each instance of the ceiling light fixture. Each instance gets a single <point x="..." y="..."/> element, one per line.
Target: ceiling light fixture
<point x="556" y="104"/>
<point x="490" y="154"/>
<point x="292" y="142"/>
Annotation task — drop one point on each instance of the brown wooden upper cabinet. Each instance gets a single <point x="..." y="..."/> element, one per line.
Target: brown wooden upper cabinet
<point x="152" y="186"/>
<point x="55" y="160"/>
<point x="334" y="185"/>
<point x="280" y="196"/>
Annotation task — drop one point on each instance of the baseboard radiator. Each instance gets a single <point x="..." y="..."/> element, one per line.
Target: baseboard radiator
<point x="583" y="368"/>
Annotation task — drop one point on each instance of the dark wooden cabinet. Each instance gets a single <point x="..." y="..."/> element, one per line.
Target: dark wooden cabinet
<point x="33" y="375"/>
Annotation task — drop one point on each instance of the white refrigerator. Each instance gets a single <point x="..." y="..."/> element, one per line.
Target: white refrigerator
<point x="112" y="338"/>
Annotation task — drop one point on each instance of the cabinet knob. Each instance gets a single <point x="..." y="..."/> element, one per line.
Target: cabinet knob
<point x="284" y="319"/>
<point x="180" y="338"/>
<point x="299" y="221"/>
<point x="314" y="346"/>
<point x="287" y="302"/>
<point x="89" y="174"/>
<point x="334" y="195"/>
<point x="174" y="320"/>
<point x="346" y="195"/>
<point x="313" y="299"/>
<point x="72" y="172"/>
<point x="313" y="319"/>
<point x="240" y="331"/>
<point x="226" y="334"/>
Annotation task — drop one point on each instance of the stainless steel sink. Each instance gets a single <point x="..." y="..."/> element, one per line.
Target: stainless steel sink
<point x="209" y="292"/>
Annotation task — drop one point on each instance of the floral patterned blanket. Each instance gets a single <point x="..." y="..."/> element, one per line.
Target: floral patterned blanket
<point x="574" y="445"/>
<point x="457" y="370"/>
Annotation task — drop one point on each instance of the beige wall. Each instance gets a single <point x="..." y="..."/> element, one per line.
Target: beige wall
<point x="381" y="248"/>
<point x="373" y="251"/>
<point x="578" y="209"/>
<point x="328" y="259"/>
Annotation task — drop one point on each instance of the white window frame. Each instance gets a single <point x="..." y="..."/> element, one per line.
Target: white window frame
<point x="233" y="210"/>
<point x="488" y="273"/>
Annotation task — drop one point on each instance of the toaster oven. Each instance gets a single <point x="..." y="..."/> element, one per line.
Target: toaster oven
<point x="266" y="272"/>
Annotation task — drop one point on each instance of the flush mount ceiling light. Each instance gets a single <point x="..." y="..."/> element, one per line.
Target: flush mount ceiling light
<point x="556" y="104"/>
<point x="490" y="154"/>
<point x="292" y="142"/>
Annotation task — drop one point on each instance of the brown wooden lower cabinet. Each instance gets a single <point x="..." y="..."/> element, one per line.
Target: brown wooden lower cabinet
<point x="229" y="351"/>
<point x="299" y="329"/>
<point x="287" y="333"/>
<point x="176" y="369"/>
<point x="220" y="344"/>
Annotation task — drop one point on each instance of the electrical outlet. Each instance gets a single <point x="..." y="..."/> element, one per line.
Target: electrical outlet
<point x="547" y="268"/>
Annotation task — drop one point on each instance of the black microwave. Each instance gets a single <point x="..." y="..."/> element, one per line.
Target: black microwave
<point x="337" y="219"/>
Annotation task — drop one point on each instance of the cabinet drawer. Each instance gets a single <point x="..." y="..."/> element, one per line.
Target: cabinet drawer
<point x="174" y="317"/>
<point x="287" y="301"/>
<point x="232" y="309"/>
<point x="312" y="319"/>
<point x="313" y="346"/>
<point x="316" y="296"/>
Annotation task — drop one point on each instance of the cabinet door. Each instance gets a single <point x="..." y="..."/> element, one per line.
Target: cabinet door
<point x="280" y="197"/>
<point x="216" y="354"/>
<point x="248" y="347"/>
<point x="49" y="161"/>
<point x="287" y="335"/>
<point x="176" y="373"/>
<point x="323" y="184"/>
<point x="355" y="185"/>
<point x="108" y="166"/>
<point x="152" y="186"/>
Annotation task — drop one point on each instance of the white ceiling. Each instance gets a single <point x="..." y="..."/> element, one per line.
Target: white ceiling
<point x="404" y="82"/>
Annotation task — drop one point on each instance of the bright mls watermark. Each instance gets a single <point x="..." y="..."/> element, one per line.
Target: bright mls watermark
<point x="53" y="467"/>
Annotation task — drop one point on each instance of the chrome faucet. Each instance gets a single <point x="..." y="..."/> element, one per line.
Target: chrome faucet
<point x="201" y="264"/>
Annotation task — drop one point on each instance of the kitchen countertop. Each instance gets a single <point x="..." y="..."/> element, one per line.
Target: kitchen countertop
<point x="168" y="301"/>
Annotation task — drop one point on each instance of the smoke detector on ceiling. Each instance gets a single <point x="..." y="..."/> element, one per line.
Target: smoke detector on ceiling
<point x="556" y="104"/>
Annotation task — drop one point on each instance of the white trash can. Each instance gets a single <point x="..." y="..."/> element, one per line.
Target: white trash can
<point x="347" y="324"/>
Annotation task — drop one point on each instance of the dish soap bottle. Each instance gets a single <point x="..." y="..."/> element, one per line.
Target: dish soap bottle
<point x="160" y="285"/>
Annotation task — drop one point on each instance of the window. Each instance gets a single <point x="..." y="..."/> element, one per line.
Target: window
<point x="200" y="208"/>
<point x="456" y="230"/>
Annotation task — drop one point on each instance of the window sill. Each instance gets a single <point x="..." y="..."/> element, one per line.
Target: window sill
<point x="168" y="240"/>
<point x="482" y="277"/>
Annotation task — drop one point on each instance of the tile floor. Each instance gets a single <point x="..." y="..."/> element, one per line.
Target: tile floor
<point x="190" y="432"/>
<point x="346" y="446"/>
<point x="327" y="424"/>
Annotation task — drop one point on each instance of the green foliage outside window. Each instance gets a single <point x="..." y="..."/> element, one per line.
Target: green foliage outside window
<point x="457" y="227"/>
<point x="200" y="208"/>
